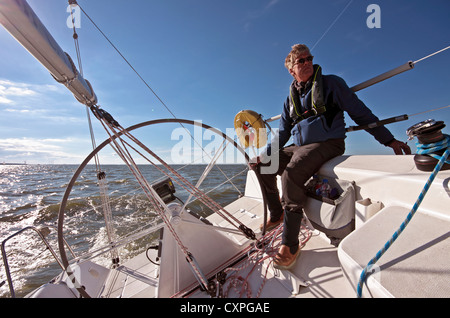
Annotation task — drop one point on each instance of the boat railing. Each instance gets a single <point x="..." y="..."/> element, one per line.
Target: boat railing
<point x="43" y="232"/>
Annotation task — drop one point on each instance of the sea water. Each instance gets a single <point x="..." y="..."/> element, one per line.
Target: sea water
<point x="30" y="195"/>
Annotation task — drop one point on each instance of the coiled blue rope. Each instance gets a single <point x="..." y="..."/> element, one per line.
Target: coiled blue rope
<point x="430" y="149"/>
<point x="423" y="149"/>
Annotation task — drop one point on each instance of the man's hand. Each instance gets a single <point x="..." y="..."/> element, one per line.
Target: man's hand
<point x="399" y="147"/>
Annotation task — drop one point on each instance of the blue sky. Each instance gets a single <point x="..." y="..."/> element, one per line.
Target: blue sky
<point x="209" y="59"/>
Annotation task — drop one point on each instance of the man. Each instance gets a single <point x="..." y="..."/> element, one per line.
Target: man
<point x="313" y="116"/>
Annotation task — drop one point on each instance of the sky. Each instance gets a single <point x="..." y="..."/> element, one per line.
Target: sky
<point x="208" y="59"/>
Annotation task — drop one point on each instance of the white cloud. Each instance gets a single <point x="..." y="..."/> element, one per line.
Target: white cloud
<point x="24" y="111"/>
<point x="4" y="100"/>
<point x="38" y="150"/>
<point x="35" y="101"/>
<point x="31" y="145"/>
<point x="19" y="93"/>
<point x="47" y="115"/>
<point x="8" y="89"/>
<point x="16" y="91"/>
<point x="29" y="111"/>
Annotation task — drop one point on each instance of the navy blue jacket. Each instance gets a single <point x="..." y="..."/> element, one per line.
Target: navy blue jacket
<point x="338" y="98"/>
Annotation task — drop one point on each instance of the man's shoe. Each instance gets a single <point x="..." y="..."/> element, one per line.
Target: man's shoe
<point x="284" y="258"/>
<point x="271" y="225"/>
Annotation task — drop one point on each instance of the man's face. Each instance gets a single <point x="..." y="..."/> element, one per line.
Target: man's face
<point x="303" y="67"/>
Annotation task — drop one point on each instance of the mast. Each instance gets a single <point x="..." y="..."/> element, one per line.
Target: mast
<point x="19" y="19"/>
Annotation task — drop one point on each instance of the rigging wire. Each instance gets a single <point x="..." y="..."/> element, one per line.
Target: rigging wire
<point x="331" y="25"/>
<point x="101" y="176"/>
<point x="158" y="204"/>
<point x="432" y="54"/>
<point x="183" y="182"/>
<point x="80" y="67"/>
<point x="75" y="38"/>
<point x="152" y="196"/>
<point x="156" y="201"/>
<point x="126" y="61"/>
<point x="429" y="111"/>
<point x="148" y="86"/>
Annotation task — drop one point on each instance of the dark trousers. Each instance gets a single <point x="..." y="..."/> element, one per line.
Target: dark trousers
<point x="296" y="165"/>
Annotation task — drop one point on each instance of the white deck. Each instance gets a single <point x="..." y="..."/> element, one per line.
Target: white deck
<point x="318" y="267"/>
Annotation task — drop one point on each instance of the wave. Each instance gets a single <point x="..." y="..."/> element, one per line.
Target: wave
<point x="32" y="196"/>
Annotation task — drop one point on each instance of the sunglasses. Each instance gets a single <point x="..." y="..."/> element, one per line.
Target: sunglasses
<point x="303" y="60"/>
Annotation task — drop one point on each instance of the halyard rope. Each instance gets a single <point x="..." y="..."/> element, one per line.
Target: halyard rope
<point x="272" y="241"/>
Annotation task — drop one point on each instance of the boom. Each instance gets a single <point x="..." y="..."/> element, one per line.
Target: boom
<point x="22" y="23"/>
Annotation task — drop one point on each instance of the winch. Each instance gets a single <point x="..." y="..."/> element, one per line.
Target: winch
<point x="431" y="145"/>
